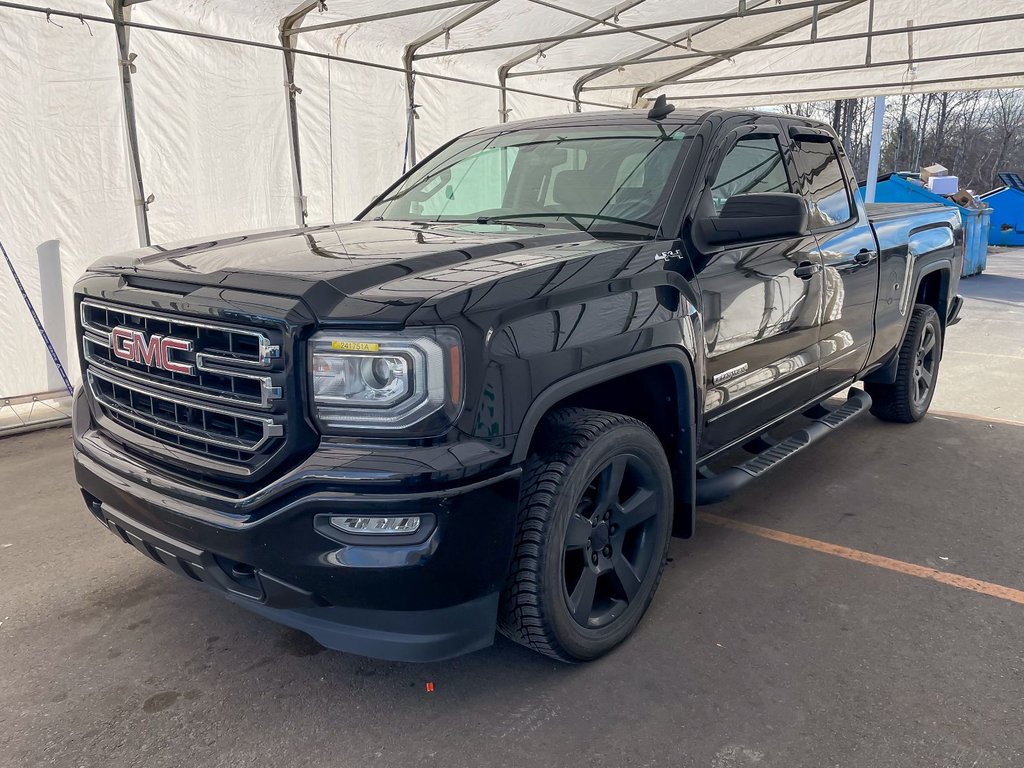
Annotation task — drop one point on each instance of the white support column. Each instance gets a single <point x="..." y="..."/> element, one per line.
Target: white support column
<point x="876" y="148"/>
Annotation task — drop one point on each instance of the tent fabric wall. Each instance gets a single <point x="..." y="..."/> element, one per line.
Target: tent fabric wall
<point x="65" y="197"/>
<point x="213" y="122"/>
<point x="212" y="127"/>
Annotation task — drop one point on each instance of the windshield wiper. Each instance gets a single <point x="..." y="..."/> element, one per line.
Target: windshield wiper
<point x="570" y="217"/>
<point x="507" y="220"/>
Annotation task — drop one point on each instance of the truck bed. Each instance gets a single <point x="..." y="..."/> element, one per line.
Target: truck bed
<point x="886" y="211"/>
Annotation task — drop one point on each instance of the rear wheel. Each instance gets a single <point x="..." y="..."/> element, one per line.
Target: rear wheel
<point x="595" y="521"/>
<point x="907" y="399"/>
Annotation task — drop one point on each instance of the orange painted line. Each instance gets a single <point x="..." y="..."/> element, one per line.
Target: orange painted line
<point x="973" y="417"/>
<point x="910" y="569"/>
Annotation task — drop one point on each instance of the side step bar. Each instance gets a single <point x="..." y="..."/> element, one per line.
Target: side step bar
<point x="713" y="488"/>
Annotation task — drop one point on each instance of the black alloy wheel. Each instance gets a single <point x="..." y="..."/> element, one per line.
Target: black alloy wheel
<point x="908" y="397"/>
<point x="925" y="366"/>
<point x="611" y="541"/>
<point x="595" y="521"/>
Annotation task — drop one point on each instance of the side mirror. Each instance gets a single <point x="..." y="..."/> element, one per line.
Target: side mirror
<point x="756" y="216"/>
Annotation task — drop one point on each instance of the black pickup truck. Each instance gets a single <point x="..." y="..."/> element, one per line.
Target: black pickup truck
<point x="490" y="401"/>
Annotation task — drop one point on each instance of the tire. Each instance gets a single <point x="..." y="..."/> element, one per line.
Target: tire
<point x="595" y="521"/>
<point x="907" y="399"/>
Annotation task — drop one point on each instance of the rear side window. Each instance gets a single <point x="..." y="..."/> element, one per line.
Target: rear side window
<point x="821" y="179"/>
<point x="752" y="165"/>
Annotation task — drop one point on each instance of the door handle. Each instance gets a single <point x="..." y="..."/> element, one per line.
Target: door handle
<point x="807" y="270"/>
<point x="864" y="256"/>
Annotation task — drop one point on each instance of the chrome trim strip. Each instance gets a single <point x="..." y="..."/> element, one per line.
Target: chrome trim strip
<point x="270" y="429"/>
<point x="781" y="383"/>
<point x="111" y="428"/>
<point x="267" y="351"/>
<point x="268" y="392"/>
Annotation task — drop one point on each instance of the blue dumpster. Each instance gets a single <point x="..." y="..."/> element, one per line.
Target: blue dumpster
<point x="1007" y="204"/>
<point x="897" y="188"/>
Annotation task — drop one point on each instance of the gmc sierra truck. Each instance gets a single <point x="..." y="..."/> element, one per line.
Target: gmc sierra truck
<point x="489" y="402"/>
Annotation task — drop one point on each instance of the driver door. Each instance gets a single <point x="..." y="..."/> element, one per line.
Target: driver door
<point x="761" y="300"/>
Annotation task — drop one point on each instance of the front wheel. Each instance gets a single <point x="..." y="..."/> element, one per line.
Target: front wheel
<point x="907" y="399"/>
<point x="595" y="521"/>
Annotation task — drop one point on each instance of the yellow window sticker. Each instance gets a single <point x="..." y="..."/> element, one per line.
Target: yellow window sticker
<point x="355" y="346"/>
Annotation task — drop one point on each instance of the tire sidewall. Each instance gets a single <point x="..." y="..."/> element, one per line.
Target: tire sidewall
<point x="929" y="318"/>
<point x="580" y="642"/>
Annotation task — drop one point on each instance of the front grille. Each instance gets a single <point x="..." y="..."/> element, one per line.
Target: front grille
<point x="218" y="354"/>
<point x="215" y="399"/>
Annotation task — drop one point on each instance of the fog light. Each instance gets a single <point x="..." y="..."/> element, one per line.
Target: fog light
<point x="376" y="525"/>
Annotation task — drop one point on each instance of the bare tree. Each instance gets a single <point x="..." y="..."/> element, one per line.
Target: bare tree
<point x="976" y="134"/>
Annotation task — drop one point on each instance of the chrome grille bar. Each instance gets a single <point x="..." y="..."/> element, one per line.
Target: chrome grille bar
<point x="96" y="352"/>
<point x="265" y="351"/>
<point x="148" y="407"/>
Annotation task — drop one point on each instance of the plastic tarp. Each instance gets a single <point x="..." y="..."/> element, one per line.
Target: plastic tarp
<point x="212" y="116"/>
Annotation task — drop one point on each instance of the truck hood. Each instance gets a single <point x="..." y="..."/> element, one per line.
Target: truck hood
<point x="348" y="271"/>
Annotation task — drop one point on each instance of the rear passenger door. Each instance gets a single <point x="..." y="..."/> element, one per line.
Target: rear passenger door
<point x="848" y="251"/>
<point x="760" y="317"/>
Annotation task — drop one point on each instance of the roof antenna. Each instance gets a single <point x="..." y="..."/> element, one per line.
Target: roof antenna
<point x="661" y="108"/>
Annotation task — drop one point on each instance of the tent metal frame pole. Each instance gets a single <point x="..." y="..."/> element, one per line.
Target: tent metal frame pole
<point x="578" y="86"/>
<point x="622" y="30"/>
<point x="291" y="90"/>
<point x="505" y="70"/>
<point x="871" y="26"/>
<point x="599" y="21"/>
<point x="444" y="28"/>
<point x="729" y="52"/>
<point x="775" y="34"/>
<point x="117" y="8"/>
<point x="381" y="16"/>
<point x="811" y="71"/>
<point x="894" y="86"/>
<point x="877" y="122"/>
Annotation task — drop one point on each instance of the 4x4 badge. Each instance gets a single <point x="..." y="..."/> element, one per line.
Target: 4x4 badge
<point x="666" y="255"/>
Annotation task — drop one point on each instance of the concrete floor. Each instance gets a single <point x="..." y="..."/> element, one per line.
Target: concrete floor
<point x="755" y="652"/>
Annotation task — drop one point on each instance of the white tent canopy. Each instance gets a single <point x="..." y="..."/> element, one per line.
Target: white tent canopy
<point x="244" y="114"/>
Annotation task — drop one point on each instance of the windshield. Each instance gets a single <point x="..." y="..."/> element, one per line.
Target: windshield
<point x="612" y="181"/>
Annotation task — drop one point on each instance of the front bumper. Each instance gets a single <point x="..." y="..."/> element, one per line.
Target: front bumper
<point x="431" y="597"/>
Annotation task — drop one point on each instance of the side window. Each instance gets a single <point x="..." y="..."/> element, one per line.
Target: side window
<point x="822" y="182"/>
<point x="752" y="165"/>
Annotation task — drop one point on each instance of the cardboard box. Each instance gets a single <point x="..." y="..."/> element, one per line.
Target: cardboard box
<point x="965" y="198"/>
<point x="929" y="171"/>
<point x="944" y="185"/>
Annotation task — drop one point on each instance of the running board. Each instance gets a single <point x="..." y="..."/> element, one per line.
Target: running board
<point x="715" y="487"/>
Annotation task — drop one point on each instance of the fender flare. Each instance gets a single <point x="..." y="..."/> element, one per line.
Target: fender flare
<point x="683" y="464"/>
<point x="886" y="374"/>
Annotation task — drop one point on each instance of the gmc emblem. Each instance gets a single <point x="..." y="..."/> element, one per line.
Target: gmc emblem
<point x="131" y="344"/>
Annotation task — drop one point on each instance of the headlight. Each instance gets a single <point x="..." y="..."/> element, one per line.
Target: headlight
<point x="386" y="381"/>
